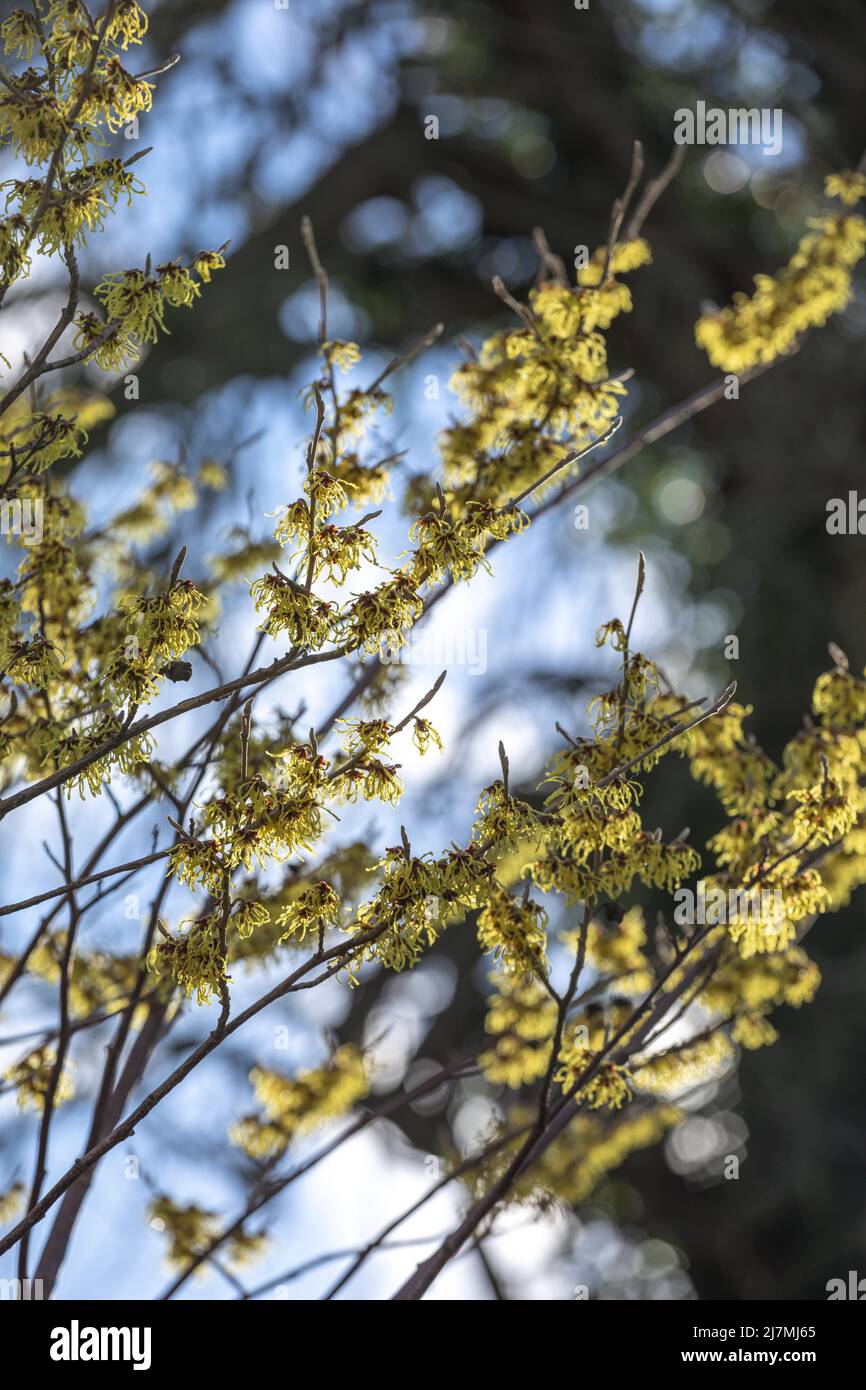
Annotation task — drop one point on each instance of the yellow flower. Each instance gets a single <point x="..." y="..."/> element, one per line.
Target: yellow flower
<point x="681" y="1068"/>
<point x="32" y="1077"/>
<point x="515" y="932"/>
<point x="195" y="959"/>
<point x="191" y="1229"/>
<point x="521" y="1018"/>
<point x="608" y="1085"/>
<point x="307" y="620"/>
<point x="294" y="1105"/>
<point x="849" y="186"/>
<point x="313" y="910"/>
<point x="340" y="354"/>
<point x="814" y="284"/>
<point x="20" y="34"/>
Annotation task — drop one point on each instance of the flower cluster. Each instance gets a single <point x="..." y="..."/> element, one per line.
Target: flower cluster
<point x="521" y="1017"/>
<point x="293" y="1105"/>
<point x="60" y="112"/>
<point x="544" y="388"/>
<point x="191" y="1229"/>
<point x="601" y="1082"/>
<point x="514" y="931"/>
<point x="814" y="284"/>
<point x="33" y="1078"/>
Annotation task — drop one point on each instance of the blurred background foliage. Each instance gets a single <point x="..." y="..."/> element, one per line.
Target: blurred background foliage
<point x="321" y="109"/>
